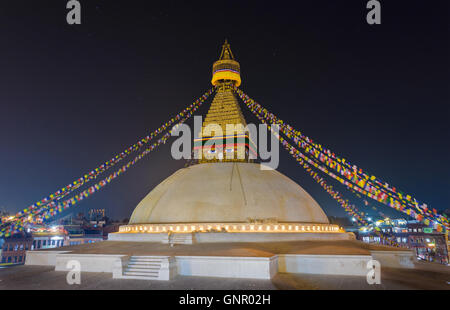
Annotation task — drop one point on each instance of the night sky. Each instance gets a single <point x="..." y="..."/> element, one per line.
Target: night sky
<point x="73" y="96"/>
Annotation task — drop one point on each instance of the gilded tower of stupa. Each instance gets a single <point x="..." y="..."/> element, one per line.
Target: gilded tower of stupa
<point x="223" y="136"/>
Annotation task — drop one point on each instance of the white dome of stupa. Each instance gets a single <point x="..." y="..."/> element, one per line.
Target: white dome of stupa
<point x="227" y="192"/>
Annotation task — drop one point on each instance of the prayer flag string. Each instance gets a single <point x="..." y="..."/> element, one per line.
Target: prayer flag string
<point x="38" y="212"/>
<point x="350" y="179"/>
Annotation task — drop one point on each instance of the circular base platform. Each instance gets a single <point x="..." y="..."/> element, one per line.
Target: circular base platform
<point x="220" y="237"/>
<point x="288" y="227"/>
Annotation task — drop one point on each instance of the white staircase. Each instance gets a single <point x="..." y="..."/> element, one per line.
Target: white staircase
<point x="147" y="268"/>
<point x="178" y="238"/>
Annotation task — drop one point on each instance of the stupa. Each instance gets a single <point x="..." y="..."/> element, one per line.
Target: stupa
<point x="225" y="216"/>
<point x="226" y="197"/>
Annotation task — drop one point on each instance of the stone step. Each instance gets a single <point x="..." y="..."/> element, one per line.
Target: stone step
<point x="139" y="277"/>
<point x="140" y="264"/>
<point x="143" y="265"/>
<point x="143" y="257"/>
<point x="181" y="239"/>
<point x="146" y="260"/>
<point x="154" y="274"/>
<point x="142" y="269"/>
<point x="155" y="257"/>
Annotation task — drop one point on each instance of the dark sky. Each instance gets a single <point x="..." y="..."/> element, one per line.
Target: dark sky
<point x="71" y="97"/>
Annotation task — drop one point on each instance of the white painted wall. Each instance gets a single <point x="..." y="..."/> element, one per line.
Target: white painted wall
<point x="231" y="267"/>
<point x="213" y="237"/>
<point x="42" y="258"/>
<point x="137" y="237"/>
<point x="355" y="265"/>
<point x="89" y="262"/>
<point x="228" y="267"/>
<point x="395" y="259"/>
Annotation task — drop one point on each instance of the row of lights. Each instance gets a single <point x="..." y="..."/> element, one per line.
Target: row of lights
<point x="230" y="228"/>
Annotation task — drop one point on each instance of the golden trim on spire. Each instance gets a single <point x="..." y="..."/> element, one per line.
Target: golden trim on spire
<point x="226" y="52"/>
<point x="226" y="69"/>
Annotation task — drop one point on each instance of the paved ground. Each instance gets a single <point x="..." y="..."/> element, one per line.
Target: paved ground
<point x="426" y="276"/>
<point x="45" y="278"/>
<point x="261" y="249"/>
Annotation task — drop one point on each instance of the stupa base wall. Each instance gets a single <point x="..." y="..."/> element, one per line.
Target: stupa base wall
<point x="231" y="266"/>
<point x="348" y="265"/>
<point x="218" y="237"/>
<point x="227" y="266"/>
<point x="253" y="260"/>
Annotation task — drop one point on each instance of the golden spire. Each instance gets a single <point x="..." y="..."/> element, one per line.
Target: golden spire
<point x="223" y="136"/>
<point x="226" y="52"/>
<point x="226" y="69"/>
